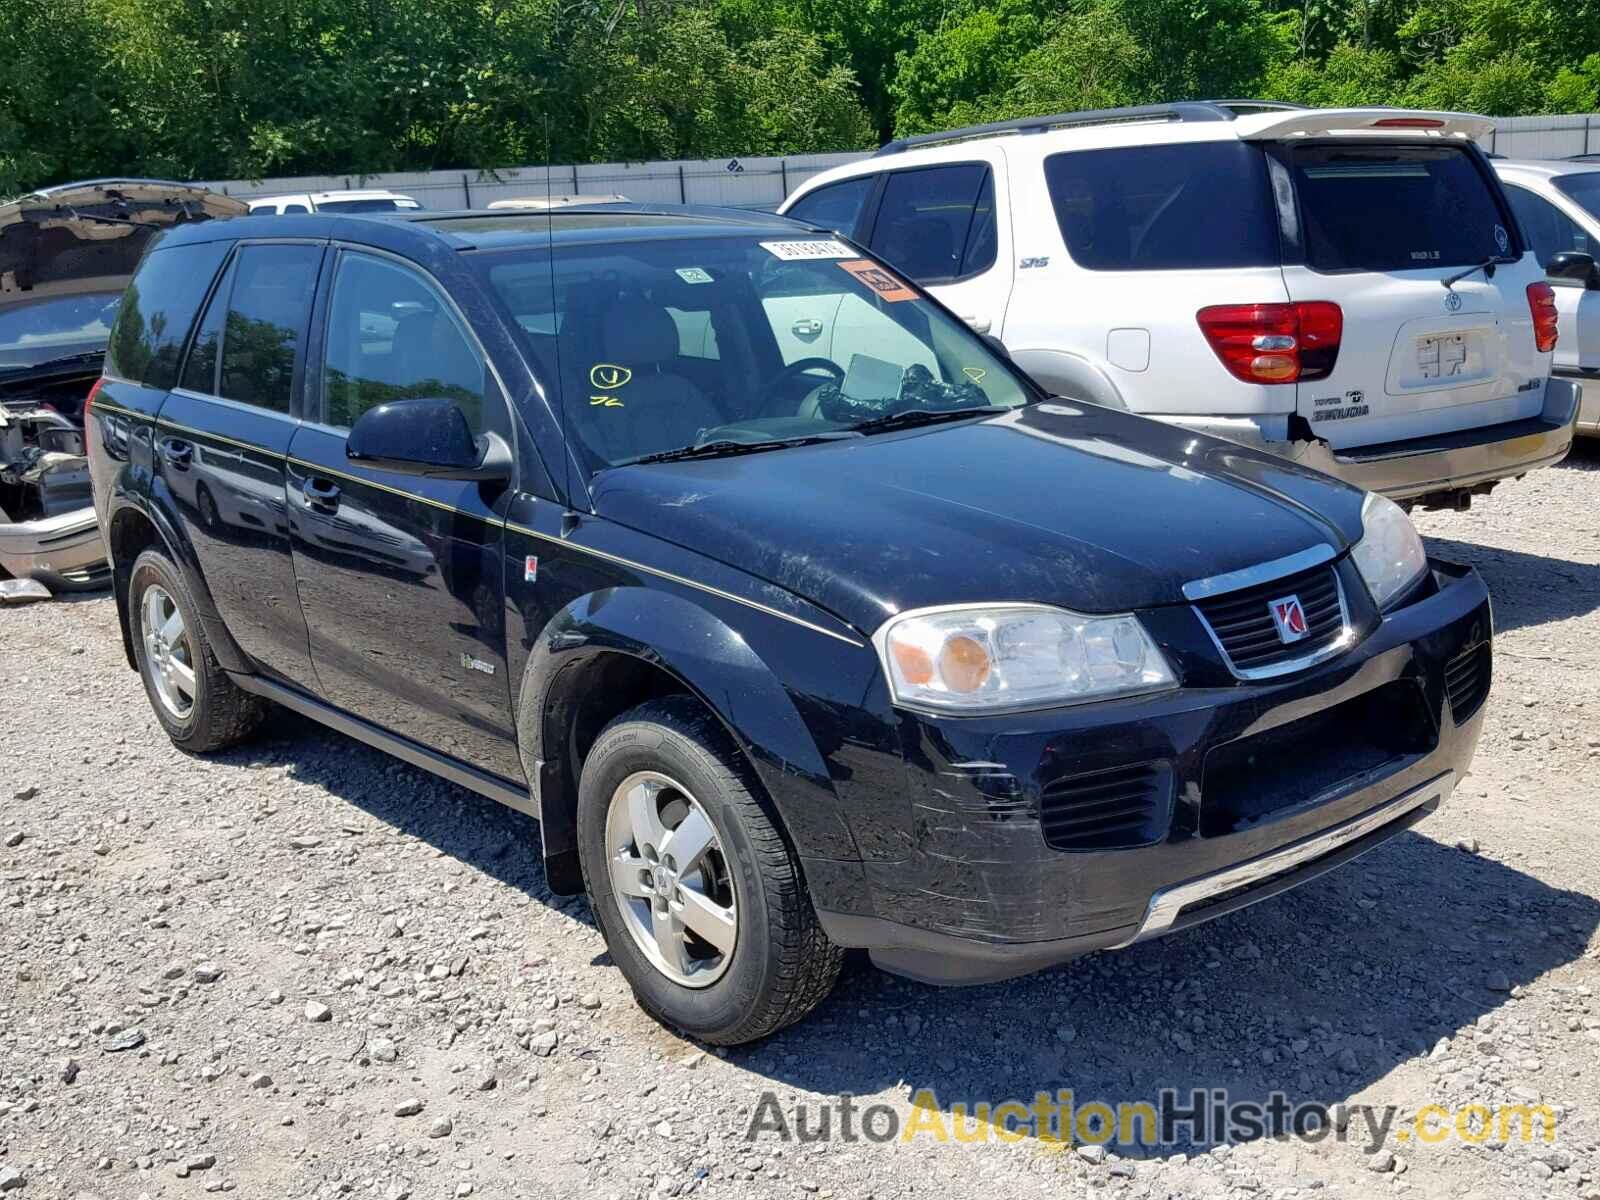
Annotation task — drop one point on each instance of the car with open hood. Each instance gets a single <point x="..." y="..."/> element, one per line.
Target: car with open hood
<point x="875" y="644"/>
<point x="66" y="255"/>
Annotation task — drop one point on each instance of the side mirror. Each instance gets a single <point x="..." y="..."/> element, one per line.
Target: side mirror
<point x="428" y="437"/>
<point x="1574" y="266"/>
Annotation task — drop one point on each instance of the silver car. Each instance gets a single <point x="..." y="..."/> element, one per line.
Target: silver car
<point x="66" y="255"/>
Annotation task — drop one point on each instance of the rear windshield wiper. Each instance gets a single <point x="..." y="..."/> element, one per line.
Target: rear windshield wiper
<point x="1487" y="266"/>
<point x="927" y="416"/>
<point x="728" y="446"/>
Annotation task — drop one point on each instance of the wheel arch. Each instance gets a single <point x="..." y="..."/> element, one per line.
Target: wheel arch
<point x="131" y="529"/>
<point x="610" y="651"/>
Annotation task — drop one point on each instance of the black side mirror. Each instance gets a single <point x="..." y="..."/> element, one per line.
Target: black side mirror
<point x="427" y="437"/>
<point x="1573" y="266"/>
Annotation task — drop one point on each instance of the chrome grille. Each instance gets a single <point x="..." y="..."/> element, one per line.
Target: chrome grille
<point x="1242" y="624"/>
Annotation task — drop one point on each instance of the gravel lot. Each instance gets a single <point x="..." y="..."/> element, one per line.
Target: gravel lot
<point x="304" y="969"/>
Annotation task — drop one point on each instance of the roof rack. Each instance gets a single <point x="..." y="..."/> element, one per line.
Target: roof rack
<point x="1187" y="110"/>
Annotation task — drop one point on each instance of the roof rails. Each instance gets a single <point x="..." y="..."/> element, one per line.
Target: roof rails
<point x="1187" y="110"/>
<point x="1245" y="108"/>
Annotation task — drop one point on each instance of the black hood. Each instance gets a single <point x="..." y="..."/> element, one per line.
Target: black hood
<point x="1056" y="503"/>
<point x="87" y="237"/>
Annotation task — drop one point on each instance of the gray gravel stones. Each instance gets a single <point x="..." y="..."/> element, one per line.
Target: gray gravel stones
<point x="408" y="1108"/>
<point x="317" y="1012"/>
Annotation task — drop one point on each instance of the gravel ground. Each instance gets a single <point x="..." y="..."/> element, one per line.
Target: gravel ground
<point x="304" y="969"/>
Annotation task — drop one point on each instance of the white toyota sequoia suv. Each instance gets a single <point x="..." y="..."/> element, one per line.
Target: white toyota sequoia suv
<point x="1347" y="288"/>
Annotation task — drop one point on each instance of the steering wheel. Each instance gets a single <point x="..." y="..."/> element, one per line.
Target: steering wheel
<point x="777" y="384"/>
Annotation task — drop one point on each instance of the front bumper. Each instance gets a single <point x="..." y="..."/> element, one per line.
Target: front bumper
<point x="1438" y="463"/>
<point x="982" y="896"/>
<point x="64" y="552"/>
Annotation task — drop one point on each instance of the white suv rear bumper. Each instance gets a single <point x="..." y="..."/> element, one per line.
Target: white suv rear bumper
<point x="1444" y="462"/>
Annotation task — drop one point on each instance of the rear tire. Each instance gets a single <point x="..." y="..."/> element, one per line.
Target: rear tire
<point x="197" y="704"/>
<point x="670" y="764"/>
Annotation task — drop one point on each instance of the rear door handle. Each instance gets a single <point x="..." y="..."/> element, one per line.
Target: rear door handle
<point x="175" y="453"/>
<point x="806" y="327"/>
<point x="321" y="493"/>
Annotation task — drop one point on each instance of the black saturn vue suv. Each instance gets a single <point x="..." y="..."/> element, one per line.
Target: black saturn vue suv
<point x="799" y="618"/>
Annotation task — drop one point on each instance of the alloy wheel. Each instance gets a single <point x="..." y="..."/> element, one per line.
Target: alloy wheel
<point x="168" y="651"/>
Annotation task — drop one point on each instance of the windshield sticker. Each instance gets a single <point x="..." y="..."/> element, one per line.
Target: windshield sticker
<point x="1502" y="238"/>
<point x="885" y="285"/>
<point x="975" y="374"/>
<point x="605" y="378"/>
<point x="800" y="251"/>
<point x="694" y="274"/>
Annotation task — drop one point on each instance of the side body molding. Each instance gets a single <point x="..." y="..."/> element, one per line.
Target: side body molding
<point x="705" y="657"/>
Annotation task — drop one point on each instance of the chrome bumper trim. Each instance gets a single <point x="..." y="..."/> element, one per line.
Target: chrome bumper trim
<point x="1167" y="904"/>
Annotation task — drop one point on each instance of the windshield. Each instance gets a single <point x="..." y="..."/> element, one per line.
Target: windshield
<point x="1397" y="208"/>
<point x="662" y="345"/>
<point x="31" y="334"/>
<point x="1582" y="188"/>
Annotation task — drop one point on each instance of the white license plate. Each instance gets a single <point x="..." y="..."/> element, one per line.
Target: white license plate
<point x="1442" y="356"/>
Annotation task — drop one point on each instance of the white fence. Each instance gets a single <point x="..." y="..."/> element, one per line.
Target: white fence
<point x="733" y="182"/>
<point x="763" y="182"/>
<point x="1545" y="137"/>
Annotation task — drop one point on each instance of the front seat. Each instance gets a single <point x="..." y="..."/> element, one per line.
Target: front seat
<point x="652" y="408"/>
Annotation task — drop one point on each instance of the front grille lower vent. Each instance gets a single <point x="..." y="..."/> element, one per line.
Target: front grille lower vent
<point x="1108" y="810"/>
<point x="1466" y="680"/>
<point x="1243" y="625"/>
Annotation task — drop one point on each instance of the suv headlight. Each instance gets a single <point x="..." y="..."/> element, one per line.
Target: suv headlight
<point x="995" y="657"/>
<point x="1389" y="555"/>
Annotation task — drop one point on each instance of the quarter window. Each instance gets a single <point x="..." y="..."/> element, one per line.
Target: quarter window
<point x="836" y="207"/>
<point x="268" y="304"/>
<point x="937" y="224"/>
<point x="393" y="336"/>
<point x="1549" y="229"/>
<point x="158" y="310"/>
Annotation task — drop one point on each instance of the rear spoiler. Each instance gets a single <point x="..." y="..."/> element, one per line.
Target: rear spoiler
<point x="1266" y="126"/>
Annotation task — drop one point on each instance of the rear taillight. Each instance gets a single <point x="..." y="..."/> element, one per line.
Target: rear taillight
<point x="1275" y="343"/>
<point x="88" y="400"/>
<point x="1542" y="304"/>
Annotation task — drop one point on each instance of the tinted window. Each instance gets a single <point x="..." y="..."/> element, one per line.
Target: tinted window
<point x="268" y="305"/>
<point x="928" y="217"/>
<point x="1205" y="205"/>
<point x="157" y="311"/>
<point x="1549" y="229"/>
<point x="365" y="206"/>
<point x="200" y="372"/>
<point x="1583" y="188"/>
<point x="836" y="207"/>
<point x="392" y="336"/>
<point x="1395" y="208"/>
<point x="295" y="208"/>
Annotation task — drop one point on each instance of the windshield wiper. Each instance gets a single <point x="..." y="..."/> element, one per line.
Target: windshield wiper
<point x="1487" y="266"/>
<point x="51" y="364"/>
<point x="721" y="447"/>
<point x="927" y="416"/>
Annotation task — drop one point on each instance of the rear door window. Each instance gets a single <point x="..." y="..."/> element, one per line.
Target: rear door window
<point x="156" y="313"/>
<point x="1197" y="206"/>
<point x="268" y="307"/>
<point x="1396" y="208"/>
<point x="936" y="224"/>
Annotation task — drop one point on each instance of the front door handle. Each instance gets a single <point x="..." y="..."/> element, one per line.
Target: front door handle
<point x="321" y="493"/>
<point x="978" y="324"/>
<point x="806" y="327"/>
<point x="175" y="453"/>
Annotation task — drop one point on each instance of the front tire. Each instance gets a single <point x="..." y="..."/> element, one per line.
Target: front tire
<point x="197" y="704"/>
<point x="699" y="897"/>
